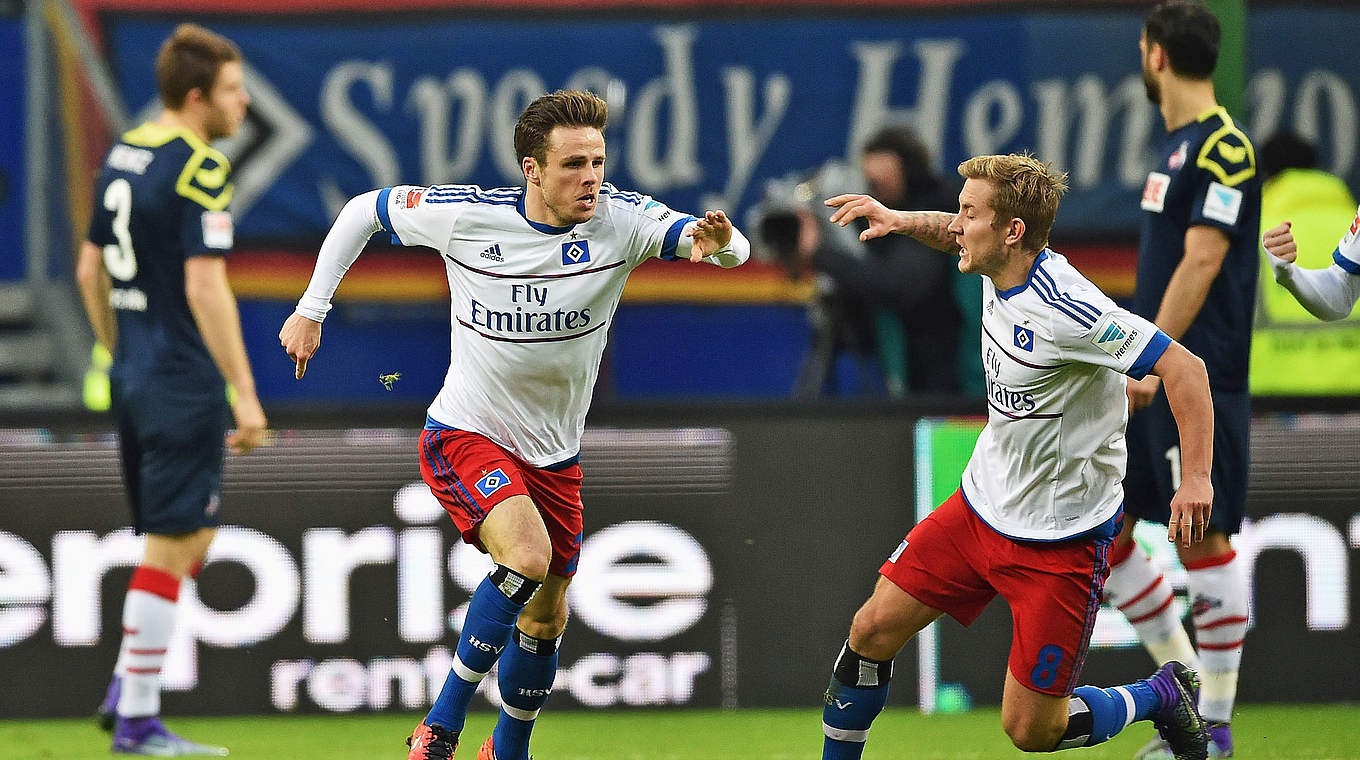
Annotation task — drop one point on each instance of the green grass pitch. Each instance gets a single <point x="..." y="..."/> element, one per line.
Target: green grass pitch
<point x="1299" y="732"/>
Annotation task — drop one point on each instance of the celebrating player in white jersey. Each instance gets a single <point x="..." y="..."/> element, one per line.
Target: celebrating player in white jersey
<point x="1328" y="294"/>
<point x="535" y="274"/>
<point x="1041" y="499"/>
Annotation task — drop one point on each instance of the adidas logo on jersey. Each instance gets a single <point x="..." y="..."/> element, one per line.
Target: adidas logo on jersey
<point x="493" y="253"/>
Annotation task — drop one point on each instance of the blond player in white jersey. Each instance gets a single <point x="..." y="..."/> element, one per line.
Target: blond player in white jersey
<point x="1040" y="502"/>
<point x="535" y="274"/>
<point x="1328" y="294"/>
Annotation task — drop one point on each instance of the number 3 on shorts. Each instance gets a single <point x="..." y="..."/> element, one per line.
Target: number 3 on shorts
<point x="1046" y="671"/>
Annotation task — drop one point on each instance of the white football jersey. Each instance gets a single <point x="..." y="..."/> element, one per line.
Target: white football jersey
<point x="1051" y="460"/>
<point x="1347" y="253"/>
<point x="531" y="304"/>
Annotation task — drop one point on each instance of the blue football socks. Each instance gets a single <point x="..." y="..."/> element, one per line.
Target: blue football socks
<point x="856" y="695"/>
<point x="1095" y="714"/>
<point x="486" y="630"/>
<point x="526" y="675"/>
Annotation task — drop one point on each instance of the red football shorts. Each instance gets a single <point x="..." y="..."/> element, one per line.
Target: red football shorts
<point x="955" y="562"/>
<point x="470" y="475"/>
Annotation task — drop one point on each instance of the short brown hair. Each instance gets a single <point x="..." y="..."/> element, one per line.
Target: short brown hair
<point x="563" y="108"/>
<point x="189" y="58"/>
<point x="1026" y="188"/>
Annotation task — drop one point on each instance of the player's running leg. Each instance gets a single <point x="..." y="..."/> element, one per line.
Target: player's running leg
<point x="1138" y="588"/>
<point x="860" y="678"/>
<point x="149" y="613"/>
<point x="514" y="535"/>
<point x="1094" y="715"/>
<point x="527" y="669"/>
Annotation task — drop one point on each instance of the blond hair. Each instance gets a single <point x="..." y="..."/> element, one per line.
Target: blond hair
<point x="1026" y="188"/>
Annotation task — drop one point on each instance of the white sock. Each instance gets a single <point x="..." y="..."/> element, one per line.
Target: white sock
<point x="148" y="621"/>
<point x="1140" y="590"/>
<point x="1218" y="607"/>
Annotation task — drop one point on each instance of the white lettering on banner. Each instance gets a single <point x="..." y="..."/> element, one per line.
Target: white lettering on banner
<point x="1082" y="124"/>
<point x="596" y="680"/>
<point x="329" y="557"/>
<point x="24" y="589"/>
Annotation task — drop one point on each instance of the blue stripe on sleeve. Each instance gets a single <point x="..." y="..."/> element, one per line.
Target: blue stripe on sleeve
<point x="383" y="218"/>
<point x="1345" y="263"/>
<point x="1151" y="353"/>
<point x="673" y="237"/>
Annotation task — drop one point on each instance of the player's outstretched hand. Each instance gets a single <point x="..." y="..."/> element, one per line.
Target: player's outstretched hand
<point x="1279" y="242"/>
<point x="250" y="424"/>
<point x="851" y="206"/>
<point x="300" y="338"/>
<point x="1190" y="510"/>
<point x="711" y="234"/>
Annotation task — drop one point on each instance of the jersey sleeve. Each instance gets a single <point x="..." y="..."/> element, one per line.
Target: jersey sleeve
<point x="1226" y="160"/>
<point x="425" y="216"/>
<point x="203" y="193"/>
<point x="1107" y="335"/>
<point x="1347" y="253"/>
<point x="655" y="227"/>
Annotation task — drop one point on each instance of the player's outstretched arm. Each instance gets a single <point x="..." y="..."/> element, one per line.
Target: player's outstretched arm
<point x="301" y="332"/>
<point x="1187" y="391"/>
<point x="213" y="305"/>
<point x="1328" y="294"/>
<point x="929" y="227"/>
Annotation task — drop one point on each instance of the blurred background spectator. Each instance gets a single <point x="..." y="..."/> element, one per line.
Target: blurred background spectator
<point x="1293" y="353"/>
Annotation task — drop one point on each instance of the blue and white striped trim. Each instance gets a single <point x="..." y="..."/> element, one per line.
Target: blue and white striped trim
<point x="1345" y="263"/>
<point x="501" y="196"/>
<point x="637" y="199"/>
<point x="845" y="734"/>
<point x="1081" y="312"/>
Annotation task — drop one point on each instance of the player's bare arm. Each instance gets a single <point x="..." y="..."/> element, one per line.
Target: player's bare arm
<point x="219" y="322"/>
<point x="1187" y="391"/>
<point x="1205" y="248"/>
<point x="94" y="283"/>
<point x="300" y="338"/>
<point x="929" y="227"/>
<point x="711" y="234"/>
<point x="1279" y="242"/>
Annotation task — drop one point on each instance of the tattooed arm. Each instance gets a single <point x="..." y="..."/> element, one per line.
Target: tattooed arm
<point x="929" y="227"/>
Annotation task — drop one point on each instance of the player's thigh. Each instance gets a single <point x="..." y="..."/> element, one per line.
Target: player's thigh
<point x="557" y="494"/>
<point x="177" y="554"/>
<point x="1054" y="591"/>
<point x="888" y="620"/>
<point x="472" y="478"/>
<point x="180" y="444"/>
<point x="943" y="561"/>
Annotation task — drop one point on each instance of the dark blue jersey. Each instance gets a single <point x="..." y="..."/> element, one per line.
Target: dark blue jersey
<point x="1205" y="175"/>
<point x="161" y="198"/>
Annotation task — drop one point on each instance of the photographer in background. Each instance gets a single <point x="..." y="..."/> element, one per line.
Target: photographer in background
<point x="891" y="297"/>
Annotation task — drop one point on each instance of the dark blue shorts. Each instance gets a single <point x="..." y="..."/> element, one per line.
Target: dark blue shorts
<point x="1154" y="455"/>
<point x="172" y="450"/>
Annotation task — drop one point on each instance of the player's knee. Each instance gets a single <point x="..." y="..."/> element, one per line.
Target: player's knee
<point x="869" y="630"/>
<point x="1030" y="733"/>
<point x="528" y="560"/>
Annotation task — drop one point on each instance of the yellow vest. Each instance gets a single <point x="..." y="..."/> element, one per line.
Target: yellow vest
<point x="1292" y="352"/>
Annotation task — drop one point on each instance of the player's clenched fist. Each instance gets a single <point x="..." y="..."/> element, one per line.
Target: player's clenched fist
<point x="1279" y="242"/>
<point x="300" y="338"/>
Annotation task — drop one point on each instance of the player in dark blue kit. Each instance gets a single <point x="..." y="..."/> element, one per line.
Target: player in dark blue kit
<point x="152" y="273"/>
<point x="1197" y="272"/>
